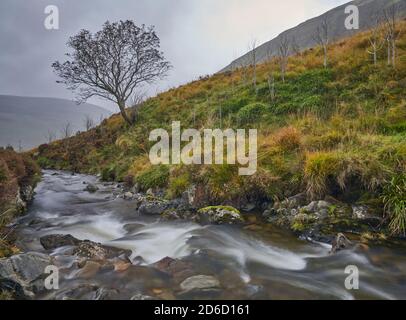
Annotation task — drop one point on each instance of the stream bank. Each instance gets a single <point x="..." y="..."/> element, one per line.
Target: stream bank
<point x="109" y="246"/>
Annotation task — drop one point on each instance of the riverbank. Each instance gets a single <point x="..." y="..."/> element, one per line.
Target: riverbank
<point x="110" y="244"/>
<point x="19" y="175"/>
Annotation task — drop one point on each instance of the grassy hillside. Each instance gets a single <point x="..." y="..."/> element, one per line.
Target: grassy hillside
<point x="18" y="175"/>
<point x="339" y="131"/>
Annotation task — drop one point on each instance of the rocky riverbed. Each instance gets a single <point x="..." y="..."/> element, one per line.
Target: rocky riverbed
<point x="108" y="242"/>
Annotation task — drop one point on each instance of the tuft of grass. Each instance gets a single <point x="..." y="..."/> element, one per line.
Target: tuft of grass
<point x="288" y="139"/>
<point x="394" y="198"/>
<point x="155" y="177"/>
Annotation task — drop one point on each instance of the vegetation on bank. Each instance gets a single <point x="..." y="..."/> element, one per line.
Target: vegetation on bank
<point x="17" y="172"/>
<point x="338" y="131"/>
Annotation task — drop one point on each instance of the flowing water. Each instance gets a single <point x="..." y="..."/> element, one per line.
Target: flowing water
<point x="256" y="261"/>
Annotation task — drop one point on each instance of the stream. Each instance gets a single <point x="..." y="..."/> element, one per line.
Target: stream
<point x="254" y="261"/>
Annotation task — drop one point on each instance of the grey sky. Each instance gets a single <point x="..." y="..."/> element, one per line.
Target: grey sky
<point x="198" y="36"/>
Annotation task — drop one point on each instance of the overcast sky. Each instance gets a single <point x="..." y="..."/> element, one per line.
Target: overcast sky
<point x="198" y="37"/>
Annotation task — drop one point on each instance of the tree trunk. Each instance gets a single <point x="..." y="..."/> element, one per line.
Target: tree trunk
<point x="375" y="58"/>
<point x="393" y="52"/>
<point x="389" y="58"/>
<point x="325" y="56"/>
<point x="121" y="105"/>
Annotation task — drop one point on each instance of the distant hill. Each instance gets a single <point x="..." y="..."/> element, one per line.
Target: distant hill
<point x="304" y="33"/>
<point x="25" y="121"/>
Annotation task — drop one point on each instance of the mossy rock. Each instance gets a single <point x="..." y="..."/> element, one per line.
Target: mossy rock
<point x="220" y="215"/>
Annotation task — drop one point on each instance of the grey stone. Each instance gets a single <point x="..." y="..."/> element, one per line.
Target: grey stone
<point x="200" y="282"/>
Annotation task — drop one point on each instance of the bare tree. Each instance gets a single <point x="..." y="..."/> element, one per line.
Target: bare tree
<point x="376" y="40"/>
<point x="271" y="86"/>
<point x="283" y="49"/>
<point x="88" y="122"/>
<point x="271" y="76"/>
<point x="390" y="16"/>
<point x="321" y="37"/>
<point x="50" y="136"/>
<point x="66" y="130"/>
<point x="295" y="47"/>
<point x="112" y="63"/>
<point x="253" y="49"/>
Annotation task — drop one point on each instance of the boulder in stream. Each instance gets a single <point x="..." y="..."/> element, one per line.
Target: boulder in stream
<point x="19" y="273"/>
<point x="84" y="248"/>
<point x="220" y="215"/>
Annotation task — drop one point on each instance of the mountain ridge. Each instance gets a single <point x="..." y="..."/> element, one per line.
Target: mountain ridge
<point x="303" y="32"/>
<point x="25" y="121"/>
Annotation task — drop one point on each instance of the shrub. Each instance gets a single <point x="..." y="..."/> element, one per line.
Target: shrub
<point x="251" y="112"/>
<point x="154" y="177"/>
<point x="394" y="198"/>
<point x="234" y="105"/>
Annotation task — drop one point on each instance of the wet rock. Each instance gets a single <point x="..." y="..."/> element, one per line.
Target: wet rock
<point x="106" y="294"/>
<point x="120" y="265"/>
<point x="131" y="227"/>
<point x="19" y="272"/>
<point x="54" y="241"/>
<point x="128" y="196"/>
<point x="89" y="270"/>
<point x="248" y="207"/>
<point x="153" y="207"/>
<point x="200" y="282"/>
<point x="189" y="196"/>
<point x="267" y="213"/>
<point x="365" y="215"/>
<point x="178" y="269"/>
<point x="85" y="249"/>
<point x="96" y="251"/>
<point x="91" y="188"/>
<point x="170" y="215"/>
<point x="220" y="215"/>
<point x="139" y="296"/>
<point x="340" y="243"/>
<point x="85" y="291"/>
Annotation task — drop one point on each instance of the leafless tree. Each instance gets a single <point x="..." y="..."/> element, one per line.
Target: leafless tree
<point x="112" y="63"/>
<point x="295" y="47"/>
<point x="88" y="122"/>
<point x="269" y="53"/>
<point x="50" y="136"/>
<point x="390" y="16"/>
<point x="271" y="85"/>
<point x="283" y="49"/>
<point x="376" y="39"/>
<point x="253" y="49"/>
<point x="322" y="38"/>
<point x="66" y="130"/>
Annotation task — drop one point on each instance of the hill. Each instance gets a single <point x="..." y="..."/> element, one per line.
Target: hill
<point x="26" y="121"/>
<point x="335" y="132"/>
<point x="303" y="34"/>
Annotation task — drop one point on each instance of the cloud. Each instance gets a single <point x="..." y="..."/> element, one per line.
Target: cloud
<point x="198" y="37"/>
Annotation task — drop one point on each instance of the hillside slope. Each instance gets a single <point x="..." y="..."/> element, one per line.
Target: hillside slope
<point x="25" y="121"/>
<point x="338" y="132"/>
<point x="304" y="33"/>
